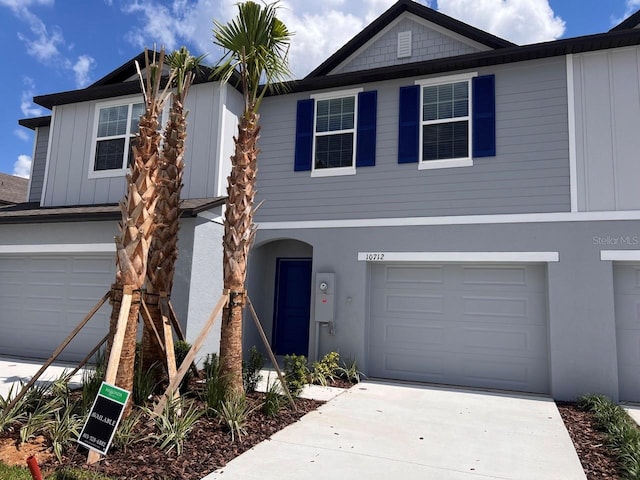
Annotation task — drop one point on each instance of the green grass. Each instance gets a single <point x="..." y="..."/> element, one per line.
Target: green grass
<point x="623" y="435"/>
<point x="22" y="473"/>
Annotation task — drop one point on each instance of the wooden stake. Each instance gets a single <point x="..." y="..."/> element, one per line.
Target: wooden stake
<point x="58" y="351"/>
<point x="146" y="318"/>
<point x="116" y="349"/>
<point x="224" y="298"/>
<point x="270" y="352"/>
<point x="91" y="354"/>
<point x="168" y="339"/>
<point x="176" y="324"/>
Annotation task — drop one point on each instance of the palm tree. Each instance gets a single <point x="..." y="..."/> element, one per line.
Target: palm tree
<point x="138" y="216"/>
<point x="255" y="44"/>
<point x="164" y="245"/>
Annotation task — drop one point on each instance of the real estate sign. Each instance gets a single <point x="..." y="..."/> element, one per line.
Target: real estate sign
<point x="103" y="418"/>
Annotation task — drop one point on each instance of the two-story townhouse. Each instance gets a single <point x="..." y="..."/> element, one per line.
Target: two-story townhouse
<point x="57" y="253"/>
<point x="444" y="206"/>
<point x="440" y="205"/>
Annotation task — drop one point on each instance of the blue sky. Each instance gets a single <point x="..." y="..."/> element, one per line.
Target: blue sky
<point x="58" y="45"/>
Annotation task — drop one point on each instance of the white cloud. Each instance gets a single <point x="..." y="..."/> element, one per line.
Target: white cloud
<point x="520" y="21"/>
<point x="81" y="68"/>
<point x="29" y="109"/>
<point x="44" y="42"/>
<point x="22" y="166"/>
<point x="21" y="134"/>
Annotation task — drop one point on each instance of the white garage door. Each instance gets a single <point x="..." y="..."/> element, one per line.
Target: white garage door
<point x="44" y="297"/>
<point x="626" y="285"/>
<point x="460" y="324"/>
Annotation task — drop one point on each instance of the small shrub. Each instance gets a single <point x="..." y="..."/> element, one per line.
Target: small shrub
<point x="181" y="349"/>
<point x="215" y="386"/>
<point x="174" y="424"/>
<point x="296" y="373"/>
<point x="128" y="432"/>
<point x="63" y="428"/>
<point x="349" y="372"/>
<point x="323" y="372"/>
<point x="251" y="370"/>
<point x="17" y="414"/>
<point x="272" y="399"/>
<point x="39" y="419"/>
<point x="622" y="432"/>
<point x="233" y="412"/>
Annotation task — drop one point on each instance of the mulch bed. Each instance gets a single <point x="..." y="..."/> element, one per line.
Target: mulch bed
<point x="598" y="461"/>
<point x="207" y="448"/>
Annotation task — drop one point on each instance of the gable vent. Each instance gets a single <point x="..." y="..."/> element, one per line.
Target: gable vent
<point x="404" y="44"/>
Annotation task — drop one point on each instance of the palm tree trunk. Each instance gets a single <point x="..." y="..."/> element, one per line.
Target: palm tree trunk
<point x="164" y="246"/>
<point x="237" y="240"/>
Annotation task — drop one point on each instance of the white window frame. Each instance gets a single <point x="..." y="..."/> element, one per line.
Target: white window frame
<point x="129" y="101"/>
<point x="449" y="162"/>
<point x="336" y="171"/>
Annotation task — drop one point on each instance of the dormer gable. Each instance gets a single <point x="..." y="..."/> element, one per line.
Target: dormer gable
<point x="407" y="33"/>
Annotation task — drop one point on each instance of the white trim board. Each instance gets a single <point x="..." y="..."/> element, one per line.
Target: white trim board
<point x="454" y="220"/>
<point x="573" y="161"/>
<point x="509" y="257"/>
<point x="620" y="255"/>
<point x="60" y="248"/>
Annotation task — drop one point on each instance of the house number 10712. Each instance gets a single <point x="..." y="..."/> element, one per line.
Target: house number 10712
<point x="374" y="257"/>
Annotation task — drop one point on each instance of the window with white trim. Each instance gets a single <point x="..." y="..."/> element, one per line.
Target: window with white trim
<point x="445" y="122"/>
<point x="334" y="142"/>
<point x="116" y="125"/>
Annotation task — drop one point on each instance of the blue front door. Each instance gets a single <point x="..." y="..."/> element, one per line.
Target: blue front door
<point x="292" y="305"/>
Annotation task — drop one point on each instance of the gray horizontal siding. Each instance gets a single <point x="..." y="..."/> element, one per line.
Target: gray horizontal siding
<point x="529" y="174"/>
<point x="427" y="43"/>
<point x="39" y="164"/>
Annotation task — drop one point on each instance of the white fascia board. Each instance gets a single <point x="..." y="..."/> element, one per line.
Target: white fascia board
<point x="59" y="248"/>
<point x="454" y="220"/>
<point x="620" y="255"/>
<point x="493" y="257"/>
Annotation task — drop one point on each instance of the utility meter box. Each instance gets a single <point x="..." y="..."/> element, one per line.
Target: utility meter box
<point x="324" y="308"/>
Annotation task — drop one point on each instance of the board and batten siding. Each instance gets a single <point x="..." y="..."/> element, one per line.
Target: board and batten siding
<point x="428" y="42"/>
<point x="607" y="112"/>
<point x="529" y="174"/>
<point x="39" y="163"/>
<point x="68" y="182"/>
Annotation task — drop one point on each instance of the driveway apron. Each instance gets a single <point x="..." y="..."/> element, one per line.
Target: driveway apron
<point x="380" y="430"/>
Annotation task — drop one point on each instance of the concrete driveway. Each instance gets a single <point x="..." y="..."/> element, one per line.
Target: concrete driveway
<point x="381" y="430"/>
<point x="14" y="370"/>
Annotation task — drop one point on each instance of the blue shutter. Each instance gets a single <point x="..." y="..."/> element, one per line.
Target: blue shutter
<point x="408" y="131"/>
<point x="304" y="135"/>
<point x="366" y="136"/>
<point x="484" y="116"/>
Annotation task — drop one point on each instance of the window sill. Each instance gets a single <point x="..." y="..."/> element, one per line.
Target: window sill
<point x="452" y="163"/>
<point x="108" y="173"/>
<point x="333" y="172"/>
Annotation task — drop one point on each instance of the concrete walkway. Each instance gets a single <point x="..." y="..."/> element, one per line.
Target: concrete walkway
<point x="381" y="430"/>
<point x="14" y="370"/>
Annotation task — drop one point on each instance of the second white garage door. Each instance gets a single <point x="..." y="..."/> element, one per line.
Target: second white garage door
<point x="44" y="297"/>
<point x="460" y="324"/>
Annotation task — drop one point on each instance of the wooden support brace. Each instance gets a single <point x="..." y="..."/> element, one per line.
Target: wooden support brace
<point x="168" y="339"/>
<point x="176" y="324"/>
<point x="116" y="349"/>
<point x="91" y="354"/>
<point x="224" y="298"/>
<point x="58" y="351"/>
<point x="270" y="352"/>
<point x="146" y="318"/>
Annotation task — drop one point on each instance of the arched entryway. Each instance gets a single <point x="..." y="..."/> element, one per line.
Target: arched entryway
<point x="279" y="284"/>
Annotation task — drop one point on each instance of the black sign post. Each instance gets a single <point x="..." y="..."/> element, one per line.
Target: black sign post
<point x="103" y="418"/>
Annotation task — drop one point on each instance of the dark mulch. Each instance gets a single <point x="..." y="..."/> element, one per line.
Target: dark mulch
<point x="598" y="461"/>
